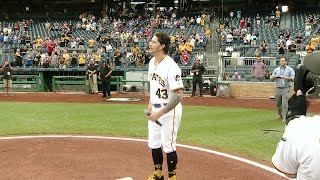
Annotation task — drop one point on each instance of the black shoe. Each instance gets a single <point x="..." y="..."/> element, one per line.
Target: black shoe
<point x="201" y="96"/>
<point x="192" y="95"/>
<point x="103" y="96"/>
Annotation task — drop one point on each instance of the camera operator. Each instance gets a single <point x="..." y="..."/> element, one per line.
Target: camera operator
<point x="298" y="152"/>
<point x="7" y="78"/>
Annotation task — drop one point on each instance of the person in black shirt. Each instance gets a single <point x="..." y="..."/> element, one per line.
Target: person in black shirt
<point x="7" y="77"/>
<point x="292" y="48"/>
<point x="105" y="76"/>
<point x="198" y="70"/>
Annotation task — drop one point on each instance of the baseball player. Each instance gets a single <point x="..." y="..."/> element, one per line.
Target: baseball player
<point x="166" y="89"/>
<point x="298" y="152"/>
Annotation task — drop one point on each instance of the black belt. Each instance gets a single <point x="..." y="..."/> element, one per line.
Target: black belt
<point x="159" y="105"/>
<point x="283" y="87"/>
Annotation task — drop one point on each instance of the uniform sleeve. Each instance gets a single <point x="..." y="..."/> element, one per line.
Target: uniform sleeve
<point x="285" y="158"/>
<point x="174" y="77"/>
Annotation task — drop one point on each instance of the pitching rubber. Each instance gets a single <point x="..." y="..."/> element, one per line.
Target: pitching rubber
<point x="126" y="178"/>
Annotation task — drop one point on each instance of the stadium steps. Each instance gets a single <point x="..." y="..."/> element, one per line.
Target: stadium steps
<point x="285" y="22"/>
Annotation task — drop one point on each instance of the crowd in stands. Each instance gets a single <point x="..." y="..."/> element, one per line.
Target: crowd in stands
<point x="245" y="31"/>
<point x="120" y="42"/>
<point x="265" y="35"/>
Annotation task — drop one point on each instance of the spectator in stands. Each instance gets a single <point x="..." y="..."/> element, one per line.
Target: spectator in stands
<point x="109" y="50"/>
<point x="309" y="48"/>
<point x="278" y="14"/>
<point x="74" y="60"/>
<point x="292" y="47"/>
<point x="91" y="44"/>
<point x="92" y="74"/>
<point x="140" y="57"/>
<point x="226" y="76"/>
<point x="134" y="50"/>
<point x="28" y="60"/>
<point x="61" y="60"/>
<point x="314" y="41"/>
<point x="281" y="48"/>
<point x="229" y="38"/>
<point x="46" y="61"/>
<point x="263" y="48"/>
<point x="54" y="63"/>
<point x="208" y="34"/>
<point x="51" y="47"/>
<point x="1" y="39"/>
<point x="253" y="40"/>
<point x="81" y="43"/>
<point x="67" y="58"/>
<point x="268" y="74"/>
<point x="236" y="77"/>
<point x="201" y="55"/>
<point x="82" y="59"/>
<point x="176" y="55"/>
<point x="258" y="19"/>
<point x="7" y="78"/>
<point x="229" y="50"/>
<point x="97" y="58"/>
<point x="117" y="57"/>
<point x="308" y="29"/>
<point x="242" y="23"/>
<point x="258" y="69"/>
<point x="185" y="57"/>
<point x="18" y="58"/>
<point x="299" y="40"/>
<point x="37" y="59"/>
<point x="288" y="43"/>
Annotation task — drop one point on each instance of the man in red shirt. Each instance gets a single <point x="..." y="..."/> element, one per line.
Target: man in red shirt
<point x="50" y="47"/>
<point x="185" y="57"/>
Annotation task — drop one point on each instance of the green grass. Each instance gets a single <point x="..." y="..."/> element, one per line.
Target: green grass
<point x="232" y="129"/>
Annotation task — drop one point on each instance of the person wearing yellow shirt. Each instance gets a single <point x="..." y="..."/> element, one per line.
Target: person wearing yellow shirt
<point x="82" y="59"/>
<point x="182" y="46"/>
<point x="208" y="34"/>
<point x="172" y="38"/>
<point x="39" y="42"/>
<point x="91" y="42"/>
<point x="310" y="49"/>
<point x="202" y="22"/>
<point x="134" y="50"/>
<point x="188" y="46"/>
<point x="66" y="58"/>
<point x="314" y="41"/>
<point x="97" y="58"/>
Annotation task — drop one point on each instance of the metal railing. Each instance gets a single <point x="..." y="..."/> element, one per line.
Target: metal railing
<point x="247" y="61"/>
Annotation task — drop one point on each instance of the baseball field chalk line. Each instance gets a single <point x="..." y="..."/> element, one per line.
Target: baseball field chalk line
<point x="247" y="161"/>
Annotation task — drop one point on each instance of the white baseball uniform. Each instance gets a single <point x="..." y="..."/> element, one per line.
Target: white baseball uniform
<point x="164" y="79"/>
<point x="298" y="151"/>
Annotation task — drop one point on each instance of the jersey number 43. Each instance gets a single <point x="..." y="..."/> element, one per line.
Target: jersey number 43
<point x="162" y="93"/>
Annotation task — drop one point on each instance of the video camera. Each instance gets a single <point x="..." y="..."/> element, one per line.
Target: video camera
<point x="307" y="80"/>
<point x="307" y="77"/>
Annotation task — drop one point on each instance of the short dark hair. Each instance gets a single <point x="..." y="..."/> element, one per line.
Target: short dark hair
<point x="284" y="58"/>
<point x="163" y="38"/>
